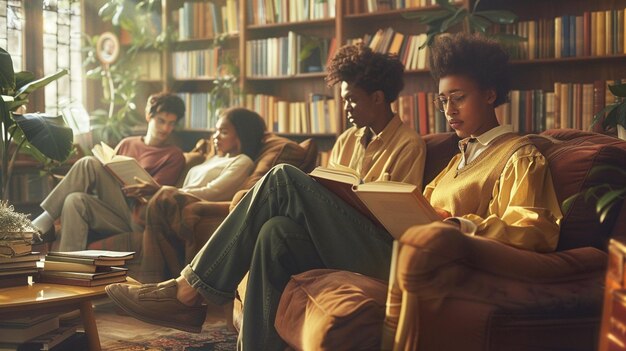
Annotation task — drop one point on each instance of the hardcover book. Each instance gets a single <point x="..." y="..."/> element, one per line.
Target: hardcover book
<point x="81" y="282"/>
<point x="18" y="333"/>
<point x="125" y="169"/>
<point x="393" y="205"/>
<point x="113" y="272"/>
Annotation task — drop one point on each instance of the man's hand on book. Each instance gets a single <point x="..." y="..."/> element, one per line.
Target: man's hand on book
<point x="141" y="189"/>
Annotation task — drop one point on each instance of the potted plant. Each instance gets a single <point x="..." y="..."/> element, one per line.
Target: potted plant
<point x="613" y="116"/>
<point x="43" y="137"/>
<point x="141" y="21"/>
<point x="448" y="18"/>
<point x="15" y="226"/>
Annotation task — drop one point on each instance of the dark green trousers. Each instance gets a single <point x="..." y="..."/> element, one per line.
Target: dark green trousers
<point x="285" y="225"/>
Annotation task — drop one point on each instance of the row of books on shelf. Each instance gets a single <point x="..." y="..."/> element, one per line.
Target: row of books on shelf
<point x="80" y="268"/>
<point x="29" y="187"/>
<point x="148" y="65"/>
<point x="369" y="6"/>
<point x="317" y="115"/>
<point x="199" y="113"/>
<point x="262" y="12"/>
<point x="569" y="105"/>
<point x="594" y="33"/>
<point x="283" y="56"/>
<point x="408" y="47"/>
<point x="418" y="111"/>
<point x="196" y="63"/>
<point x="199" y="20"/>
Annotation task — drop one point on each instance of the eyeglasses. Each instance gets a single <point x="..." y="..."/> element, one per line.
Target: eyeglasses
<point x="456" y="99"/>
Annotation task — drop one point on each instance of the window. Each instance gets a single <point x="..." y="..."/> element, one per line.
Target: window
<point x="11" y="24"/>
<point x="62" y="50"/>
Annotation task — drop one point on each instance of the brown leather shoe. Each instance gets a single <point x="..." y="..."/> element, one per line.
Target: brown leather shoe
<point x="157" y="304"/>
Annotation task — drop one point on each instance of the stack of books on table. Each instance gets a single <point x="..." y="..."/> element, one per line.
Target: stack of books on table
<point x="85" y="268"/>
<point x="18" y="263"/>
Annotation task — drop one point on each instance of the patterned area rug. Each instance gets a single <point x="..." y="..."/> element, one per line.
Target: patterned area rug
<point x="126" y="333"/>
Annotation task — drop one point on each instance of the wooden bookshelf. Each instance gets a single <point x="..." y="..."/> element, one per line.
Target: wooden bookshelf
<point x="352" y="20"/>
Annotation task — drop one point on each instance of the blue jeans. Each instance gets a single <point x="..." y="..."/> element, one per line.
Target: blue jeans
<point x="285" y="225"/>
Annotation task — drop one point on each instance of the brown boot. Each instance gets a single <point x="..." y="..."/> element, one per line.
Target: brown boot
<point x="157" y="304"/>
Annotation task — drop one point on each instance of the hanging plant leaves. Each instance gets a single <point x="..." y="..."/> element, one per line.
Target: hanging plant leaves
<point x="498" y="16"/>
<point x="23" y="78"/>
<point x="7" y="75"/>
<point x="36" y="84"/>
<point x="47" y="134"/>
<point x="618" y="90"/>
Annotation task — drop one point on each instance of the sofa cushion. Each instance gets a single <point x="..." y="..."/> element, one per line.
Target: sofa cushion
<point x="440" y="148"/>
<point x="278" y="150"/>
<point x="572" y="155"/>
<point x="324" y="309"/>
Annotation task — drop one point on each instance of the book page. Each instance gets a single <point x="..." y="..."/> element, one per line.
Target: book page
<point x="397" y="206"/>
<point x="103" y="152"/>
<point x="125" y="170"/>
<point x="100" y="254"/>
<point x="340" y="174"/>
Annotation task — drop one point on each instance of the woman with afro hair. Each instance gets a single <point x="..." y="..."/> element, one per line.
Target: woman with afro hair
<point x="500" y="185"/>
<point x="288" y="223"/>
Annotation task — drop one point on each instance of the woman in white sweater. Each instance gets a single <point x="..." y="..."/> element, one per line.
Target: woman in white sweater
<point x="237" y="140"/>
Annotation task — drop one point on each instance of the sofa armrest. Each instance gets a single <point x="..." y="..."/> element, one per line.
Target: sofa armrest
<point x="438" y="271"/>
<point x="425" y="249"/>
<point x="202" y="219"/>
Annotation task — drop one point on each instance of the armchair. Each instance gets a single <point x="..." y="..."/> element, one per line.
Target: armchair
<point x="203" y="217"/>
<point x="448" y="291"/>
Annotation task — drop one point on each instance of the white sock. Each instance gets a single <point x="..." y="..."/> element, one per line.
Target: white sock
<point x="44" y="222"/>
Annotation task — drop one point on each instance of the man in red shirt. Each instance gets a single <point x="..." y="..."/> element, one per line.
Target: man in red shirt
<point x="90" y="200"/>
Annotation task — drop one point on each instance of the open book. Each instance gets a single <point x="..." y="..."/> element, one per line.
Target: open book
<point x="395" y="206"/>
<point x="123" y="168"/>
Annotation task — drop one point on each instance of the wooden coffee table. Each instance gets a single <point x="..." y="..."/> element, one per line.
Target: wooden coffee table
<point x="22" y="301"/>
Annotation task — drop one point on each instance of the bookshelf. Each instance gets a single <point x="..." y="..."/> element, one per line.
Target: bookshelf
<point x="279" y="89"/>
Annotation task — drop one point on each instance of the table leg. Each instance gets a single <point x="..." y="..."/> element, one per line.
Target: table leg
<point x="89" y="322"/>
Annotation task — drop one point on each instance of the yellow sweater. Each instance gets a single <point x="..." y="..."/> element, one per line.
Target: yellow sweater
<point x="507" y="192"/>
<point x="397" y="150"/>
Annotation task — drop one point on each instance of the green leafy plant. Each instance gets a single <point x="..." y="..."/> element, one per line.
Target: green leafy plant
<point x="448" y="18"/>
<point x="614" y="114"/>
<point x="46" y="138"/>
<point x="605" y="195"/>
<point x="140" y="19"/>
<point x="225" y="91"/>
<point x="119" y="92"/>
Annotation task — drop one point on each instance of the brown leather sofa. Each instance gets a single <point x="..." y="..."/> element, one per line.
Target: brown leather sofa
<point x="454" y="292"/>
<point x="203" y="217"/>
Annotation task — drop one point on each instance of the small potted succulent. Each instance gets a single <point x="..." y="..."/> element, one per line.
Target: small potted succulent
<point x="15" y="226"/>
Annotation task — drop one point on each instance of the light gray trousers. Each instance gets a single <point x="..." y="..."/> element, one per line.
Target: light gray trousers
<point x="88" y="199"/>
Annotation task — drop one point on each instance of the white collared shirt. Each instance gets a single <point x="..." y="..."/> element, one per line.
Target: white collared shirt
<point x="471" y="150"/>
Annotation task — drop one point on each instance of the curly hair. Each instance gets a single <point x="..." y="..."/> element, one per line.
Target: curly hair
<point x="359" y="65"/>
<point x="165" y="102"/>
<point x="250" y="128"/>
<point x="482" y="60"/>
